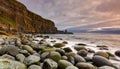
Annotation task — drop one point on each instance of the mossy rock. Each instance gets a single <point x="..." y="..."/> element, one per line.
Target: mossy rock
<point x="55" y="56"/>
<point x="48" y="49"/>
<point x="64" y="64"/>
<point x="58" y="45"/>
<point x="79" y="48"/>
<point x="10" y="64"/>
<point x="103" y="54"/>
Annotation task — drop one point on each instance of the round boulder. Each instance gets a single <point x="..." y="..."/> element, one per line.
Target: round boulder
<point x="117" y="53"/>
<point x="83" y="65"/>
<point x="55" y="56"/>
<point x="103" y="54"/>
<point x="101" y="61"/>
<point x="82" y="53"/>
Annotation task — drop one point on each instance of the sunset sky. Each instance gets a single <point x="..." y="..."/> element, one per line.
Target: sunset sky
<point x="87" y="14"/>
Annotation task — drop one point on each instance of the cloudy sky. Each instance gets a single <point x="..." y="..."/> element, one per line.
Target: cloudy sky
<point x="87" y="14"/>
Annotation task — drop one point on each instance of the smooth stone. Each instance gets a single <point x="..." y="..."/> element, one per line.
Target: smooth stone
<point x="79" y="59"/>
<point x="31" y="59"/>
<point x="106" y="67"/>
<point x="82" y="65"/>
<point x="49" y="64"/>
<point x="64" y="64"/>
<point x="12" y="50"/>
<point x="29" y="49"/>
<point x="67" y="49"/>
<point x="25" y="52"/>
<point x="10" y="64"/>
<point x="64" y="57"/>
<point x="55" y="56"/>
<point x="34" y="67"/>
<point x="71" y="67"/>
<point x="117" y="53"/>
<point x="82" y="53"/>
<point x="71" y="59"/>
<point x="59" y="45"/>
<point x="6" y="56"/>
<point x="103" y="54"/>
<point x="61" y="51"/>
<point x="101" y="61"/>
<point x="3" y="50"/>
<point x="80" y="48"/>
<point x="20" y="57"/>
<point x="44" y="55"/>
<point x="48" y="49"/>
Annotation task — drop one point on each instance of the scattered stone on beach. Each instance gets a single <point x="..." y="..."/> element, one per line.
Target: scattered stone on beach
<point x="20" y="57"/>
<point x="67" y="49"/>
<point x="29" y="49"/>
<point x="79" y="48"/>
<point x="102" y="47"/>
<point x="59" y="45"/>
<point x="117" y="53"/>
<point x="103" y="54"/>
<point x="110" y="54"/>
<point x="64" y="64"/>
<point x="64" y="57"/>
<point x="12" y="50"/>
<point x="34" y="67"/>
<point x="55" y="56"/>
<point x="82" y="53"/>
<point x="71" y="59"/>
<point x="82" y="65"/>
<point x="70" y="54"/>
<point x="31" y="59"/>
<point x="24" y="52"/>
<point x="79" y="58"/>
<point x="81" y="44"/>
<point x="101" y="61"/>
<point x="61" y="51"/>
<point x="10" y="64"/>
<point x="106" y="67"/>
<point x="49" y="64"/>
<point x="6" y="56"/>
<point x="71" y="67"/>
<point x="43" y="41"/>
<point x="65" y="42"/>
<point x="90" y="50"/>
<point x="48" y="49"/>
<point x="44" y="55"/>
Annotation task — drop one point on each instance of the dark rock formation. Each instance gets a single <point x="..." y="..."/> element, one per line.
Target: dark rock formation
<point x="14" y="17"/>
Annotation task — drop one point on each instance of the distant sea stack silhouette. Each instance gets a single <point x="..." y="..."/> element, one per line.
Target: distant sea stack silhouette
<point x="14" y="17"/>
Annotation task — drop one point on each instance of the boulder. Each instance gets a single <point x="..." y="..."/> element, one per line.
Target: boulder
<point x="82" y="65"/>
<point x="49" y="64"/>
<point x="71" y="67"/>
<point x="34" y="67"/>
<point x="103" y="54"/>
<point x="101" y="61"/>
<point x="10" y="64"/>
<point x="20" y="57"/>
<point x="67" y="49"/>
<point x="29" y="49"/>
<point x="64" y="64"/>
<point x="58" y="45"/>
<point x="117" y="53"/>
<point x="31" y="59"/>
<point x="82" y="53"/>
<point x="55" y="56"/>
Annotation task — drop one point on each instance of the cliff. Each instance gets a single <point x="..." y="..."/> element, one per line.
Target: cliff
<point x="14" y="17"/>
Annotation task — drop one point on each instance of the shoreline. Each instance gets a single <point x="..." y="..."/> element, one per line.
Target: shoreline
<point x="47" y="43"/>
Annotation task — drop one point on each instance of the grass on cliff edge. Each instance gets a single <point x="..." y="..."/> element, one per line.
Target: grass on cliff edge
<point x="7" y="21"/>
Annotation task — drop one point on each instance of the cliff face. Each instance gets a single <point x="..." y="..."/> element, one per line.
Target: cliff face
<point x="14" y="17"/>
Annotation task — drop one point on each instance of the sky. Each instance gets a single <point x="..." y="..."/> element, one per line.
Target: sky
<point x="86" y="14"/>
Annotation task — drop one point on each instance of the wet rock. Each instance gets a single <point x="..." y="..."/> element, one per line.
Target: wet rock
<point x="31" y="59"/>
<point x="117" y="53"/>
<point x="79" y="59"/>
<point x="90" y="50"/>
<point x="20" y="57"/>
<point x="61" y="51"/>
<point x="29" y="49"/>
<point x="82" y="65"/>
<point x="6" y="56"/>
<point x="12" y="50"/>
<point x="10" y="64"/>
<point x="82" y="53"/>
<point x="71" y="67"/>
<point x="34" y="67"/>
<point x="65" y="42"/>
<point x="59" y="45"/>
<point x="101" y="61"/>
<point x="71" y="59"/>
<point x="48" y="49"/>
<point x="49" y="64"/>
<point x="55" y="56"/>
<point x="67" y="49"/>
<point x="103" y="54"/>
<point x="106" y="67"/>
<point x="64" y="64"/>
<point x="79" y="48"/>
<point x="44" y="55"/>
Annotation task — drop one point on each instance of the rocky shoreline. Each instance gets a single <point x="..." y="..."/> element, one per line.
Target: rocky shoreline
<point x="44" y="52"/>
